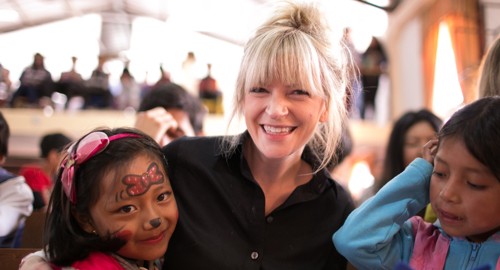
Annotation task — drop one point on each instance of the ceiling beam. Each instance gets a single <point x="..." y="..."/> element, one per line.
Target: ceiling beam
<point x="393" y="4"/>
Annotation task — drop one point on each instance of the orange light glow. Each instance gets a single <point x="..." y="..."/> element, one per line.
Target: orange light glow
<point x="447" y="93"/>
<point x="361" y="179"/>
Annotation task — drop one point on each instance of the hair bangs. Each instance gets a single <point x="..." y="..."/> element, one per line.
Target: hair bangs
<point x="289" y="58"/>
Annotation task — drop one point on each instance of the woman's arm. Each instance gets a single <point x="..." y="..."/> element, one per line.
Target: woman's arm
<point x="35" y="261"/>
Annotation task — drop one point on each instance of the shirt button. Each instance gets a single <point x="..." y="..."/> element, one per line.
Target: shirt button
<point x="270" y="219"/>
<point x="254" y="255"/>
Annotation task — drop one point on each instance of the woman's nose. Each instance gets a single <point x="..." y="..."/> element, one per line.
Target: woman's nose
<point x="277" y="107"/>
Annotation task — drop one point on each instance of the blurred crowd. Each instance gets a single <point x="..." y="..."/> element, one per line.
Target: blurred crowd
<point x="37" y="88"/>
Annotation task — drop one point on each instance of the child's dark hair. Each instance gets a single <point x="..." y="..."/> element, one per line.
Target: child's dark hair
<point x="478" y="125"/>
<point x="64" y="240"/>
<point x="174" y="96"/>
<point x="53" y="141"/>
<point x="4" y="136"/>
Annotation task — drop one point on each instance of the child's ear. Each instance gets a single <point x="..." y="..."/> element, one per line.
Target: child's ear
<point x="84" y="220"/>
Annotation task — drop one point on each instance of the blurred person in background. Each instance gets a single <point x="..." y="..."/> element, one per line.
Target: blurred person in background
<point x="373" y="65"/>
<point x="168" y="112"/>
<point x="36" y="85"/>
<point x="98" y="94"/>
<point x="40" y="176"/>
<point x="489" y="78"/>
<point x="71" y="82"/>
<point x="130" y="91"/>
<point x="409" y="133"/>
<point x="16" y="197"/>
<point x="5" y="84"/>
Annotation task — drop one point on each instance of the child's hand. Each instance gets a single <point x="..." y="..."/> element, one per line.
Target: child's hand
<point x="157" y="123"/>
<point x="429" y="150"/>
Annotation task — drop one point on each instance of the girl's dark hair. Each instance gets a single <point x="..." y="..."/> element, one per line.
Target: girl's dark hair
<point x="478" y="125"/>
<point x="4" y="136"/>
<point x="64" y="240"/>
<point x="394" y="162"/>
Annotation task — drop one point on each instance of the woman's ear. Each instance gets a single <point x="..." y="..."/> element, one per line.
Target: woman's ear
<point x="84" y="221"/>
<point x="324" y="114"/>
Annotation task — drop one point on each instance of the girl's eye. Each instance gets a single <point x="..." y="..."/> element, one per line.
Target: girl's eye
<point x="475" y="186"/>
<point x="438" y="174"/>
<point x="301" y="92"/>
<point x="164" y="196"/>
<point x="127" y="209"/>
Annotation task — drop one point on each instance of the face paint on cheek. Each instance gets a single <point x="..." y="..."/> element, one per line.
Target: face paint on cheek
<point x="139" y="184"/>
<point x="125" y="235"/>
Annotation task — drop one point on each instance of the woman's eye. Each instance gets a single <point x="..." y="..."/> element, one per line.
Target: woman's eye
<point x="258" y="90"/>
<point x="301" y="92"/>
<point x="164" y="196"/>
<point x="127" y="209"/>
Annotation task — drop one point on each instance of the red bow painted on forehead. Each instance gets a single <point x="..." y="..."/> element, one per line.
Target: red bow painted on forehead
<point x="91" y="145"/>
<point x="140" y="184"/>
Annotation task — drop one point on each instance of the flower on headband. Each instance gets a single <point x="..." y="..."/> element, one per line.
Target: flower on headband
<point x="91" y="145"/>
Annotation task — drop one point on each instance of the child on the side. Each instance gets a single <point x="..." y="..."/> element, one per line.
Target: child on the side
<point x="112" y="206"/>
<point x="463" y="188"/>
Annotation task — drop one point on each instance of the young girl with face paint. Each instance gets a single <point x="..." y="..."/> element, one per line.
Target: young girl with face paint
<point x="460" y="177"/>
<point x="112" y="206"/>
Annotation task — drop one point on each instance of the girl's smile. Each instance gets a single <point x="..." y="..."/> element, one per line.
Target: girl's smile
<point x="155" y="239"/>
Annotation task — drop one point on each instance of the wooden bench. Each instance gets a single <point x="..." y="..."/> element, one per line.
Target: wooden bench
<point x="33" y="230"/>
<point x="14" y="163"/>
<point x="10" y="258"/>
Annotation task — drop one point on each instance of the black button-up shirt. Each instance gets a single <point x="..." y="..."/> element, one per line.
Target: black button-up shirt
<point x="222" y="223"/>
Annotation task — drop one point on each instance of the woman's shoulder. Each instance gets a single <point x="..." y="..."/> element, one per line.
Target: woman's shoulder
<point x="193" y="146"/>
<point x="193" y="142"/>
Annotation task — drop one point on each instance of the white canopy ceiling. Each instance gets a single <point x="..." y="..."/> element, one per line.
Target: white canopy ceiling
<point x="60" y="29"/>
<point x="20" y="14"/>
<point x="218" y="18"/>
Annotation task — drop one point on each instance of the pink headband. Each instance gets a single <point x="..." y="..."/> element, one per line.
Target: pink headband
<point x="91" y="145"/>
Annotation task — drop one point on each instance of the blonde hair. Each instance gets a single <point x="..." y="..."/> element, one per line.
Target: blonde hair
<point x="489" y="78"/>
<point x="294" y="46"/>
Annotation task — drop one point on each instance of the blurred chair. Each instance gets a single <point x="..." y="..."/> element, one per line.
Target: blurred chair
<point x="33" y="230"/>
<point x="11" y="257"/>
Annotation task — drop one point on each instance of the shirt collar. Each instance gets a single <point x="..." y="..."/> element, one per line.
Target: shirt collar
<point x="320" y="182"/>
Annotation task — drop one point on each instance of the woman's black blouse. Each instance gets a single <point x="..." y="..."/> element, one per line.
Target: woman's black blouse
<point x="222" y="224"/>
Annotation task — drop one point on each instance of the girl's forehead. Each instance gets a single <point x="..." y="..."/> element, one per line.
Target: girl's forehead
<point x="142" y="166"/>
<point x="133" y="184"/>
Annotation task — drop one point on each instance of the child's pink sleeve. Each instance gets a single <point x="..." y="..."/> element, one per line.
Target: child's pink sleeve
<point x="98" y="261"/>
